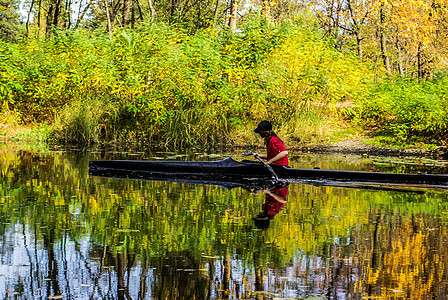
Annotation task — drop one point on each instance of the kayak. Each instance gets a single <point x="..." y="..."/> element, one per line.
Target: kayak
<point x="226" y="173"/>
<point x="230" y="170"/>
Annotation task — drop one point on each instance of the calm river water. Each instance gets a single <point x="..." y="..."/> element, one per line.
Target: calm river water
<point x="67" y="235"/>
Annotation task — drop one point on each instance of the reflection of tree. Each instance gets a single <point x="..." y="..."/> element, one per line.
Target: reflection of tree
<point x="123" y="263"/>
<point x="143" y="277"/>
<point x="168" y="241"/>
<point x="179" y="276"/>
<point x="53" y="269"/>
<point x="405" y="259"/>
<point x="226" y="275"/>
<point x="259" y="279"/>
<point x="96" y="277"/>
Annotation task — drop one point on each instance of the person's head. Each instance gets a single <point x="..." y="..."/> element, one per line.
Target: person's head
<point x="264" y="128"/>
<point x="262" y="221"/>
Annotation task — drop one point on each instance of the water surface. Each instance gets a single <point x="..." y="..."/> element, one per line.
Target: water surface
<point x="67" y="235"/>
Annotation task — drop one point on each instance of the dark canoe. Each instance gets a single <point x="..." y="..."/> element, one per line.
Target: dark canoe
<point x="230" y="170"/>
<point x="226" y="173"/>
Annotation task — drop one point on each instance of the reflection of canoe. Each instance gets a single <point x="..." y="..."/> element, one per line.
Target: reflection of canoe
<point x="230" y="170"/>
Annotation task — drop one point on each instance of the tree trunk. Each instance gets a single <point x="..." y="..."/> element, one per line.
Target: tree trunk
<point x="81" y="17"/>
<point x="171" y="11"/>
<point x="399" y="57"/>
<point x="357" y="24"/>
<point x="115" y="11"/>
<point x="233" y="14"/>
<point x="406" y="67"/>
<point x="384" y="56"/>
<point x="79" y="13"/>
<point x="152" y="10"/>
<point x="38" y="18"/>
<point x="419" y="61"/>
<point x="49" y="23"/>
<point x="109" y="25"/>
<point x="57" y="12"/>
<point x="140" y="11"/>
<point x="126" y="12"/>
<point x="332" y="23"/>
<point x="28" y="18"/>
<point x="359" y="44"/>
<point x="215" y="13"/>
<point x="132" y="22"/>
<point x="68" y="20"/>
<point x="400" y="65"/>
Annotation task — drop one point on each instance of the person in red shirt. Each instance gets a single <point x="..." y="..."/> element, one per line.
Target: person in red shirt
<point x="276" y="150"/>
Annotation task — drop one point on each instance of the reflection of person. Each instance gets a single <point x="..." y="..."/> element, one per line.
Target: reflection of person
<point x="274" y="202"/>
<point x="276" y="150"/>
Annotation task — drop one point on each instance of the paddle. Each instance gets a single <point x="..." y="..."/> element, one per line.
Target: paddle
<point x="268" y="166"/>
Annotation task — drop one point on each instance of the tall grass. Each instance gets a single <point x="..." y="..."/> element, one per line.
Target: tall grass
<point x="194" y="129"/>
<point x="86" y="122"/>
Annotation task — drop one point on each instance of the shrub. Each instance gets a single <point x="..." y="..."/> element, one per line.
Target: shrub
<point x="407" y="110"/>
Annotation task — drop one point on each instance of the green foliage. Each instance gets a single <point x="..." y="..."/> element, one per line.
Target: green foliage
<point x="407" y="110"/>
<point x="41" y="133"/>
<point x="162" y="86"/>
<point x="250" y="47"/>
<point x="10" y="76"/>
<point x="53" y="73"/>
<point x="10" y="28"/>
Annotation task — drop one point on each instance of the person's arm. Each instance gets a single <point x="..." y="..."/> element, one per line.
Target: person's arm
<point x="260" y="155"/>
<point x="277" y="157"/>
<point x="276" y="196"/>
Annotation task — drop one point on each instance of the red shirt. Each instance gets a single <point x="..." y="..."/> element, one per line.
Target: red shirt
<point x="273" y="206"/>
<point x="275" y="147"/>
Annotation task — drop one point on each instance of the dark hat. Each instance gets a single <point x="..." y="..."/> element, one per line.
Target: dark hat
<point x="262" y="223"/>
<point x="263" y="126"/>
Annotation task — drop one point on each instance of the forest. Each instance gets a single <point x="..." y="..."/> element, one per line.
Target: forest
<point x="201" y="74"/>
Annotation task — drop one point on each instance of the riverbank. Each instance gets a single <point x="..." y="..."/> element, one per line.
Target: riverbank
<point x="356" y="144"/>
<point x="370" y="147"/>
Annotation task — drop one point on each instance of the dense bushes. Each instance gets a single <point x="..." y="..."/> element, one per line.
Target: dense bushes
<point x="409" y="111"/>
<point x="156" y="84"/>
